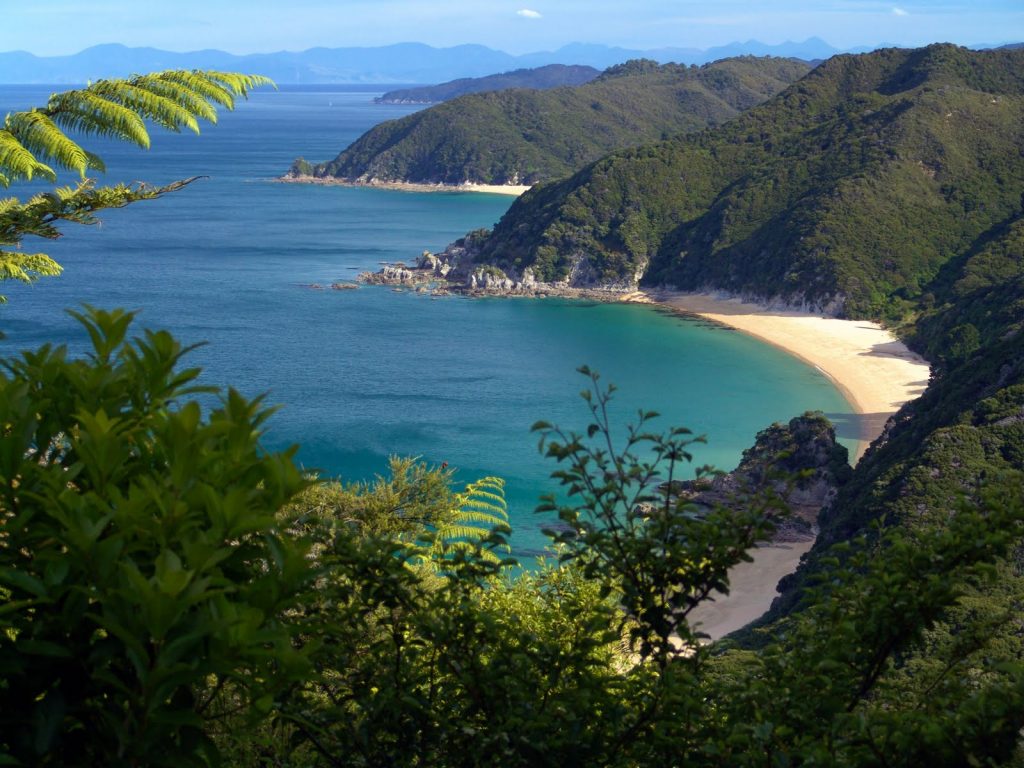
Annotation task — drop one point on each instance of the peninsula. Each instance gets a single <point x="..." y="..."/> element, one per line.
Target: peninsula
<point x="521" y="137"/>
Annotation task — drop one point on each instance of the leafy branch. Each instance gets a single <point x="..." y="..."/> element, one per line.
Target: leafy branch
<point x="35" y="143"/>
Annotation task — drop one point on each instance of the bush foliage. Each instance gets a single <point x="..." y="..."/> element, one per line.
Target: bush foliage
<point x="174" y="595"/>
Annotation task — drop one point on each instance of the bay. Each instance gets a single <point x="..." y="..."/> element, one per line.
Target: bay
<point x="361" y="375"/>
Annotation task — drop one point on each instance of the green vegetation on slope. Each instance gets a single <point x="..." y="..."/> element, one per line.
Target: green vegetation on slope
<point x="849" y="190"/>
<point x="174" y="595"/>
<point x="541" y="78"/>
<point x="523" y="136"/>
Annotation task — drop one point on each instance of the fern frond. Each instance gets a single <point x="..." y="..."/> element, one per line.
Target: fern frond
<point x="240" y="84"/>
<point x="40" y="213"/>
<point x="159" y="85"/>
<point x="482" y="511"/>
<point x="27" y="267"/>
<point x="202" y="84"/>
<point x="471" y="548"/>
<point x="93" y="115"/>
<point x="116" y="108"/>
<point x="41" y="136"/>
<point x="152" y="106"/>
<point x="19" y="161"/>
<point x="96" y="162"/>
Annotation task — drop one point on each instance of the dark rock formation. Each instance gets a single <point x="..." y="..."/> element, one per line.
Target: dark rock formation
<point x="800" y="461"/>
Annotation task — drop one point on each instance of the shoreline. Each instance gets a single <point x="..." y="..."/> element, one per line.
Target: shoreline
<point x="408" y="186"/>
<point x="874" y="371"/>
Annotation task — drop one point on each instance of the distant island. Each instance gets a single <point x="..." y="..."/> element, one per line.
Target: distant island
<point x="539" y="78"/>
<point x="522" y="137"/>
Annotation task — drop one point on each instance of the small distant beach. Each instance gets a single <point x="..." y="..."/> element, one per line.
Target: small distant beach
<point x="405" y="186"/>
<point x="875" y="372"/>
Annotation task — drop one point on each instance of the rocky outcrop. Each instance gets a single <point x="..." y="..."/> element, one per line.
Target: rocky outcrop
<point x="800" y="462"/>
<point x="456" y="270"/>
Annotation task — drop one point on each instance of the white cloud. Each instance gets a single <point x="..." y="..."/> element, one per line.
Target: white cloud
<point x="526" y="13"/>
<point x="900" y="12"/>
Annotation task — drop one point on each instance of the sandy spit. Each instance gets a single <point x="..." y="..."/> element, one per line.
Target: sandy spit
<point x="873" y="369"/>
<point x="403" y="186"/>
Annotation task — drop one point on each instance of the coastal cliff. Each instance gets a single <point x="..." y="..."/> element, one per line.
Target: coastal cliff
<point x="799" y="463"/>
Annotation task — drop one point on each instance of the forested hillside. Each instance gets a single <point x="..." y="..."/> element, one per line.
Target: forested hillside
<point x="849" y="191"/>
<point x="523" y="136"/>
<point x="541" y="78"/>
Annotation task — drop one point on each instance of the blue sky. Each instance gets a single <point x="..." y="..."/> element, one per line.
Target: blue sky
<point x="51" y="27"/>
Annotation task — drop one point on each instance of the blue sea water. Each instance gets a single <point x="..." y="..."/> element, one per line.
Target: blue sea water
<point x="361" y="375"/>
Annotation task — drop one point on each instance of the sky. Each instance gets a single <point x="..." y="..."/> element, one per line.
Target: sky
<point x="57" y="27"/>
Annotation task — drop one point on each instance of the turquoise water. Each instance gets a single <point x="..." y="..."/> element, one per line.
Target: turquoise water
<point x="368" y="373"/>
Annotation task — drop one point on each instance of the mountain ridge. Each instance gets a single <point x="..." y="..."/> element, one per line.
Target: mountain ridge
<point x="397" y="63"/>
<point x="525" y="136"/>
<point x="536" y="78"/>
<point x="772" y="204"/>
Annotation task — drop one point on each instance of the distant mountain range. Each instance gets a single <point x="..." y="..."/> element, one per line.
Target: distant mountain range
<point x="401" y="63"/>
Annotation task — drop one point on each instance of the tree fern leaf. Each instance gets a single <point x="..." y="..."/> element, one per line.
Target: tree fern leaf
<point x="482" y="518"/>
<point x="41" y="136"/>
<point x="92" y="114"/>
<point x="19" y="162"/>
<point x="27" y="267"/>
<point x="160" y="109"/>
<point x="201" y="84"/>
<point x="180" y="94"/>
<point x="96" y="162"/>
<point x="239" y="84"/>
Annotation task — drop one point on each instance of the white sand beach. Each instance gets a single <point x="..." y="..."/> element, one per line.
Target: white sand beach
<point x="873" y="369"/>
<point x="405" y="186"/>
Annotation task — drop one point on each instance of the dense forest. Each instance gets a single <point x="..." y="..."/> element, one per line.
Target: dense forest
<point x="173" y="594"/>
<point x="538" y="78"/>
<point x="857" y="189"/>
<point x="526" y="136"/>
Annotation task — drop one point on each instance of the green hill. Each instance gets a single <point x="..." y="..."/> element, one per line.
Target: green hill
<point x="541" y="78"/>
<point x="850" y="190"/>
<point x="526" y="136"/>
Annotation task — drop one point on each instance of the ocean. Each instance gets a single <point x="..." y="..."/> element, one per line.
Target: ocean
<point x="363" y="374"/>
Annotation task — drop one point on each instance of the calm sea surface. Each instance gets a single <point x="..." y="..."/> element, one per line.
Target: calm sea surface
<point x="364" y="374"/>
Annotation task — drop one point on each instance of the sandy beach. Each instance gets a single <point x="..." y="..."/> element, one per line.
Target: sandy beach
<point x="873" y="369"/>
<point x="876" y="374"/>
<point x="403" y="186"/>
